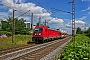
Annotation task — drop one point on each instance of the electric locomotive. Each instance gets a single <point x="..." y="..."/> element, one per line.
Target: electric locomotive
<point x="43" y="33"/>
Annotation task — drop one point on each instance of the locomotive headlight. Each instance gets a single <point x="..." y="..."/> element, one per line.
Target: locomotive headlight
<point x="35" y="34"/>
<point x="39" y="34"/>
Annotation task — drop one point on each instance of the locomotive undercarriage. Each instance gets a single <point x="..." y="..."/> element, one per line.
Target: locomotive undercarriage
<point x="38" y="40"/>
<point x="46" y="39"/>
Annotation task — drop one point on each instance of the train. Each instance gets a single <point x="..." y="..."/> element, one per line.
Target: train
<point x="44" y="33"/>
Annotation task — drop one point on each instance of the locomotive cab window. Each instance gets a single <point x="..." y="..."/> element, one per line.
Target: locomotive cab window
<point x="38" y="29"/>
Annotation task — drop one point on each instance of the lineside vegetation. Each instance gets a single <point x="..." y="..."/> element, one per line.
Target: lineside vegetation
<point x="19" y="40"/>
<point x="78" y="49"/>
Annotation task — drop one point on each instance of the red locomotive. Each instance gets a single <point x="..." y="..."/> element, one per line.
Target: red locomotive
<point x="43" y="33"/>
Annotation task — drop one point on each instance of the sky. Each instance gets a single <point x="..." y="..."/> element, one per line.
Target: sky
<point x="43" y="8"/>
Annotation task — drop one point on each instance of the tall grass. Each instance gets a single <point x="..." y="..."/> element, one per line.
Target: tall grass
<point x="19" y="40"/>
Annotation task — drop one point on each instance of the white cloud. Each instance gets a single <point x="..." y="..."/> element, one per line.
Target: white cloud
<point x="21" y="1"/>
<point x="82" y="18"/>
<point x="44" y="16"/>
<point x="56" y="23"/>
<point x="68" y="25"/>
<point x="56" y="20"/>
<point x="85" y="0"/>
<point x="78" y="23"/>
<point x="8" y="3"/>
<point x="23" y="7"/>
<point x="36" y="10"/>
<point x="86" y="9"/>
<point x="3" y="15"/>
<point x="16" y="1"/>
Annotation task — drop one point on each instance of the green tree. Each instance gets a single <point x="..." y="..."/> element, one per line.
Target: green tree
<point x="9" y="21"/>
<point x="4" y="25"/>
<point x="78" y="31"/>
<point x="87" y="32"/>
<point x="20" y="26"/>
<point x="7" y="25"/>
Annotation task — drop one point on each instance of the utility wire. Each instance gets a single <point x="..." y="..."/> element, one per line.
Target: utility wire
<point x="23" y="13"/>
<point x="39" y="3"/>
<point x="42" y="5"/>
<point x="54" y="9"/>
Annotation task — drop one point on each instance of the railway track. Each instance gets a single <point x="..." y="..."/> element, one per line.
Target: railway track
<point x="33" y="52"/>
<point x="5" y="51"/>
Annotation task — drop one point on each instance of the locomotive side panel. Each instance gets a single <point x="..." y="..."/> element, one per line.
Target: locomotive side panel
<point x="45" y="33"/>
<point x="53" y="34"/>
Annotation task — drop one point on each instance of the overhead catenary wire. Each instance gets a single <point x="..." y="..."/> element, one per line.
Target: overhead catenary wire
<point x="54" y="9"/>
<point x="39" y="3"/>
<point x="23" y="13"/>
<point x="42" y="6"/>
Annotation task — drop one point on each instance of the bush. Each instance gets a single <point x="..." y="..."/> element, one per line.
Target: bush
<point x="5" y="32"/>
<point x="29" y="42"/>
<point x="79" y="49"/>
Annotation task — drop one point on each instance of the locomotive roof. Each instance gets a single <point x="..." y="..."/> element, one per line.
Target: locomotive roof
<point x="49" y="28"/>
<point x="41" y="26"/>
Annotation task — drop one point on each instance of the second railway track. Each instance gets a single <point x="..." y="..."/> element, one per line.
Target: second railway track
<point x="34" y="52"/>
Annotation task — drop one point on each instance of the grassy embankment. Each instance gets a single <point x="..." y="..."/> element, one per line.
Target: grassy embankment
<point x="78" y="49"/>
<point x="19" y="40"/>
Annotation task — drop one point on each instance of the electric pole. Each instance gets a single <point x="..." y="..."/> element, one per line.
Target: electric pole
<point x="45" y="22"/>
<point x="32" y="22"/>
<point x="39" y="21"/>
<point x="85" y="26"/>
<point x="73" y="18"/>
<point x="13" y="26"/>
